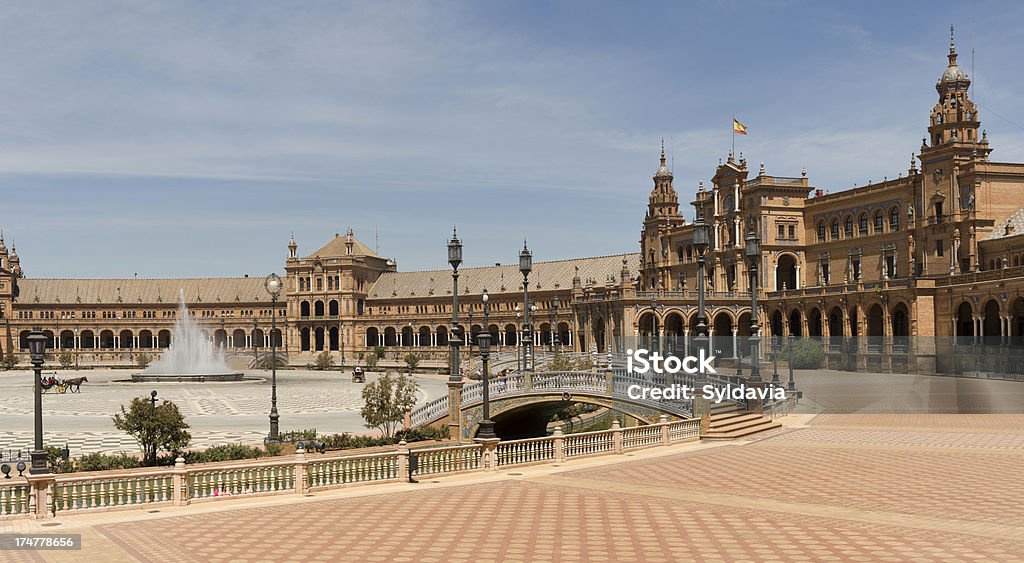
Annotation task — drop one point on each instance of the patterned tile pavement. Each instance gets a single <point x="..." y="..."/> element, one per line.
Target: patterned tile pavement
<point x="811" y="493"/>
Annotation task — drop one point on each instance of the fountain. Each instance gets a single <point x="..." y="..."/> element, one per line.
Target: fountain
<point x="191" y="355"/>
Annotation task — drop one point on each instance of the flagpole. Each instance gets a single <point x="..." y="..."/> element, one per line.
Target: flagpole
<point x="733" y="124"/>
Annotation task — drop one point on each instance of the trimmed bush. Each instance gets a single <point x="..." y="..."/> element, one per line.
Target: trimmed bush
<point x="807" y="353"/>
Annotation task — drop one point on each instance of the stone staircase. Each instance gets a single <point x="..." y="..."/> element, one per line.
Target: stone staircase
<point x="728" y="421"/>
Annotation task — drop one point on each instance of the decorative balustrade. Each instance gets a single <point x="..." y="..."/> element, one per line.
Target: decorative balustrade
<point x="15" y="499"/>
<point x="241" y="480"/>
<point x="83" y="493"/>
<point x="683" y="430"/>
<point x="183" y="485"/>
<point x="433" y="410"/>
<point x="525" y="452"/>
<point x="589" y="443"/>
<point x="449" y="459"/>
<point x="334" y="472"/>
<point x="641" y="437"/>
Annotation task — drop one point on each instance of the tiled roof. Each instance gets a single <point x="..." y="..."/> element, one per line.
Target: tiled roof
<point x="545" y="276"/>
<point x="1013" y="225"/>
<point x="198" y="290"/>
<point x="336" y="248"/>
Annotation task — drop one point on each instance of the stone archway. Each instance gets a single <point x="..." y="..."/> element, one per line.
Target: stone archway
<point x="785" y="273"/>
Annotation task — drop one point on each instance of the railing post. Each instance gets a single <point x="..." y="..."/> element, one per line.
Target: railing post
<point x="404" y="476"/>
<point x="663" y="421"/>
<point x="610" y="382"/>
<point x="179" y="480"/>
<point x="559" y="444"/>
<point x="41" y="492"/>
<point x="616" y="437"/>
<point x="527" y="381"/>
<point x="301" y="486"/>
<point x="489" y="457"/>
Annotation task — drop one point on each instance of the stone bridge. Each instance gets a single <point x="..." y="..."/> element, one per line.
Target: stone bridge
<point x="516" y="391"/>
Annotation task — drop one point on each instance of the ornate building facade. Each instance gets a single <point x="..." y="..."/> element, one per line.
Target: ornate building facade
<point x="892" y="275"/>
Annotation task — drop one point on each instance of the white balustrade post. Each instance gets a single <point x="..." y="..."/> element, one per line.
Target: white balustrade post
<point x="616" y="437"/>
<point x="559" y="444"/>
<point x="179" y="478"/>
<point x="404" y="476"/>
<point x="663" y="421"/>
<point x="489" y="457"/>
<point x="300" y="471"/>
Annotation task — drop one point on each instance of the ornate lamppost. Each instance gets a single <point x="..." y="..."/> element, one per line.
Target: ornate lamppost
<point x="700" y="244"/>
<point x="273" y="285"/>
<point x="654" y="324"/>
<point x="525" y="266"/>
<point x="753" y="252"/>
<point x="555" y="337"/>
<point x="454" y="258"/>
<point x="484" y="344"/>
<point x="255" y="352"/>
<point x="37" y="353"/>
<point x="152" y="411"/>
<point x="519" y="345"/>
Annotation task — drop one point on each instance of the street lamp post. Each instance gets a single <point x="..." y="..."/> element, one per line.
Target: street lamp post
<point x="654" y="324"/>
<point x="700" y="244"/>
<point x="484" y="344"/>
<point x="519" y="345"/>
<point x="273" y="285"/>
<point x="454" y="258"/>
<point x="37" y="352"/>
<point x="255" y="351"/>
<point x="152" y="411"/>
<point x="556" y="339"/>
<point x="531" y="355"/>
<point x="525" y="266"/>
<point x="753" y="252"/>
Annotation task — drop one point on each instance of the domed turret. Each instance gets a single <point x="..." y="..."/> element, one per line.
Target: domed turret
<point x="953" y="73"/>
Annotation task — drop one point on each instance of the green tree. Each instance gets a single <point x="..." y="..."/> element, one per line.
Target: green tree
<point x="10" y="360"/>
<point x="66" y="359"/>
<point x="386" y="401"/>
<point x="155" y="428"/>
<point x="379" y="351"/>
<point x="142" y="359"/>
<point x="412" y="360"/>
<point x="324" y="361"/>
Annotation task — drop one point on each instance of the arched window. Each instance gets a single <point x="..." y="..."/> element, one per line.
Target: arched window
<point x="879" y="221"/>
<point x="894" y="219"/>
<point x="863" y="224"/>
<point x="848" y="227"/>
<point x="835" y="229"/>
<point x="821" y="231"/>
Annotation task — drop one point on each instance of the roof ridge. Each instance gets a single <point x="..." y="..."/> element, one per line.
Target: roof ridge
<point x="617" y="255"/>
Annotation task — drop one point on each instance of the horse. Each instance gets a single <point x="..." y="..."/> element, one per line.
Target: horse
<point x="75" y="383"/>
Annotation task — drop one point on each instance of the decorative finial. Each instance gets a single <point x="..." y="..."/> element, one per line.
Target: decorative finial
<point x="700" y="187"/>
<point x="803" y="172"/>
<point x="663" y="151"/>
<point x="762" y="169"/>
<point x="952" y="46"/>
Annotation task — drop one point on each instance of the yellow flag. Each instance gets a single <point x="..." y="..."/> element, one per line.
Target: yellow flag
<point x="738" y="127"/>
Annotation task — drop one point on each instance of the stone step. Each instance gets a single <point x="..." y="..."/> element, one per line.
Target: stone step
<point x="743" y="421"/>
<point x="721" y="418"/>
<point x="765" y="424"/>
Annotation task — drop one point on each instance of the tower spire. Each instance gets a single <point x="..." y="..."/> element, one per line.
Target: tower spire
<point x="952" y="48"/>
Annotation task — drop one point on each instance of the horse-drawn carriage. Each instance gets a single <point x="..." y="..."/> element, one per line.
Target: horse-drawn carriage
<point x="60" y="386"/>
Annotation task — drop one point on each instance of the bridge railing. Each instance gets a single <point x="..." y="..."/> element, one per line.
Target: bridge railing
<point x="43" y="496"/>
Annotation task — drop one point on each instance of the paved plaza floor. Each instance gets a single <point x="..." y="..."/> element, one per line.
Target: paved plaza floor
<point x="219" y="413"/>
<point x="864" y="487"/>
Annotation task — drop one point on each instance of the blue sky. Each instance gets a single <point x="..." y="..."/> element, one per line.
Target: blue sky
<point x="190" y="139"/>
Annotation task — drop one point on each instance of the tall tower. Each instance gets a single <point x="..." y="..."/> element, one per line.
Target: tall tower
<point x="950" y="156"/>
<point x="662" y="216"/>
